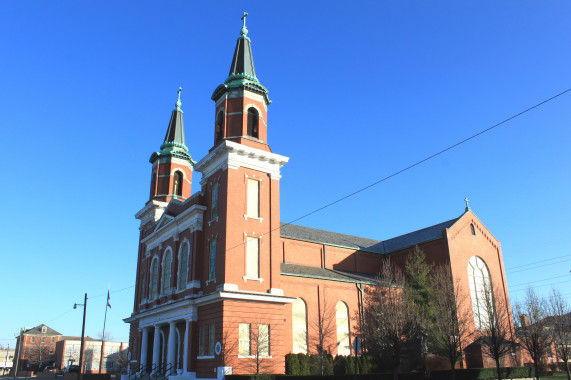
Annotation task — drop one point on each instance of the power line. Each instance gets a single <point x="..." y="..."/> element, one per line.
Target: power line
<point x="533" y="282"/>
<point x="537" y="262"/>
<point x="416" y="163"/>
<point x="539" y="266"/>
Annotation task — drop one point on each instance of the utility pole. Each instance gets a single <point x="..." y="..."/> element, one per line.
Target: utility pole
<point x="18" y="352"/>
<point x="82" y="336"/>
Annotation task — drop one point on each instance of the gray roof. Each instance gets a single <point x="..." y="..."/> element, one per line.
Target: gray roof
<point x="175" y="131"/>
<point x="243" y="62"/>
<point x="314" y="235"/>
<point x="297" y="270"/>
<point x="38" y="331"/>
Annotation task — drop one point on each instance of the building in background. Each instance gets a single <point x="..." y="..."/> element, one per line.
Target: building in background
<point x="114" y="355"/>
<point x="36" y="348"/>
<point x="224" y="287"/>
<point x="7" y="355"/>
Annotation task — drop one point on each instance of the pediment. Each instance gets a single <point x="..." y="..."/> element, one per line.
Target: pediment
<point x="164" y="221"/>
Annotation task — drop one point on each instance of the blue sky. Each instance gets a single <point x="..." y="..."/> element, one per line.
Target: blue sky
<point x="359" y="92"/>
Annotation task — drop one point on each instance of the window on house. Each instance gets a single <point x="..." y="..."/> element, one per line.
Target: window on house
<point x="51" y="351"/>
<point x="166" y="278"/>
<point x="31" y="351"/>
<point x="212" y="261"/>
<point x="202" y="340"/>
<point x="214" y="210"/>
<point x="253" y="119"/>
<point x="342" y="320"/>
<point x="183" y="266"/>
<point x="154" y="283"/>
<point x="299" y="326"/>
<point x="53" y="339"/>
<point x="33" y="339"/>
<point x="44" y="329"/>
<point x="263" y="340"/>
<point x="219" y="129"/>
<point x="177" y="183"/>
<point x="244" y="339"/>
<point x="43" y="340"/>
<point x="253" y="205"/>
<point x="480" y="292"/>
<point x="211" y="339"/>
<point x="252" y="257"/>
<point x="473" y="229"/>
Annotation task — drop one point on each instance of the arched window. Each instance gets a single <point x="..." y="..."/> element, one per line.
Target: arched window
<point x="342" y="321"/>
<point x="219" y="128"/>
<point x="253" y="119"/>
<point x="480" y="291"/>
<point x="472" y="229"/>
<point x="183" y="266"/>
<point x="177" y="183"/>
<point x="166" y="278"/>
<point x="299" y="326"/>
<point x="154" y="283"/>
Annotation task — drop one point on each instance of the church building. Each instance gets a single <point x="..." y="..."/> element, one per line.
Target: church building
<point x="224" y="287"/>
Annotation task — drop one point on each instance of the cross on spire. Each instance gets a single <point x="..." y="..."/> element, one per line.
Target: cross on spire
<point x="467" y="207"/>
<point x="244" y="31"/>
<point x="178" y="103"/>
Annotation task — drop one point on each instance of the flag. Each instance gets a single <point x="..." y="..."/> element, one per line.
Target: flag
<point x="108" y="298"/>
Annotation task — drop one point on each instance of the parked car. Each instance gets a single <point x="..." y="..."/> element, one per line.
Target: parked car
<point x="50" y="368"/>
<point x="73" y="369"/>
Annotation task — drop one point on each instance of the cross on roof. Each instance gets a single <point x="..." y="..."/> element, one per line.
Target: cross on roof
<point x="467" y="207"/>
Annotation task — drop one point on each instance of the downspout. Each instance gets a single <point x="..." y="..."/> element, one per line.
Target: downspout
<point x="360" y="288"/>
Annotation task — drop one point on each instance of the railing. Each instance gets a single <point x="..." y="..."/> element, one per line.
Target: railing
<point x="157" y="371"/>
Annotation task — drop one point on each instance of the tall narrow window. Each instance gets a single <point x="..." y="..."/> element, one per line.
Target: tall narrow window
<point x="244" y="339"/>
<point x="177" y="183"/>
<point x="214" y="210"/>
<point x="154" y="283"/>
<point x="342" y="319"/>
<point x="212" y="261"/>
<point x="166" y="278"/>
<point x="299" y="326"/>
<point x="183" y="266"/>
<point x="473" y="229"/>
<point x="253" y="119"/>
<point x="263" y="340"/>
<point x="219" y="129"/>
<point x="211" y="339"/>
<point x="252" y="257"/>
<point x="142" y="287"/>
<point x="253" y="206"/>
<point x="202" y="340"/>
<point x="480" y="292"/>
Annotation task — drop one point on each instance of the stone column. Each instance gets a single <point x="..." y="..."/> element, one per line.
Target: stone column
<point x="171" y="354"/>
<point x="185" y="354"/>
<point x="156" y="348"/>
<point x="144" y="348"/>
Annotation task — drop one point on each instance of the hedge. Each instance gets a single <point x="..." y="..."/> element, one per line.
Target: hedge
<point x="485" y="373"/>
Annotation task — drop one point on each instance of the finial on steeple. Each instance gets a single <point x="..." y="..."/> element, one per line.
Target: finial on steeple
<point x="244" y="31"/>
<point x="467" y="207"/>
<point x="178" y="103"/>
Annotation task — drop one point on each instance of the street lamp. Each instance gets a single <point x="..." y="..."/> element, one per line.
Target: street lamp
<point x="84" y="304"/>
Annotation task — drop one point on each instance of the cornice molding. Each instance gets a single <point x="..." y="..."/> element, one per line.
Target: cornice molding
<point x="231" y="155"/>
<point x="151" y="212"/>
<point x="191" y="218"/>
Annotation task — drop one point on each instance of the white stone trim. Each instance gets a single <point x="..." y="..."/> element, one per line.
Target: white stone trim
<point x="231" y="155"/>
<point x="245" y="278"/>
<point x="240" y="93"/>
<point x="151" y="212"/>
<point x="191" y="218"/>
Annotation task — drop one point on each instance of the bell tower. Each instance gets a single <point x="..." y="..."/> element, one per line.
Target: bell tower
<point x="241" y="101"/>
<point x="240" y="181"/>
<point x="172" y="165"/>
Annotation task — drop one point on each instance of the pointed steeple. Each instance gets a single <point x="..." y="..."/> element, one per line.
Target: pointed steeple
<point x="242" y="72"/>
<point x="174" y="143"/>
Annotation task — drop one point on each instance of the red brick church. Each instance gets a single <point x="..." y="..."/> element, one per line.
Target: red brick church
<point x="223" y="284"/>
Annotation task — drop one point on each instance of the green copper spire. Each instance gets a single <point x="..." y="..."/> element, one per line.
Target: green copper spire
<point x="174" y="144"/>
<point x="242" y="72"/>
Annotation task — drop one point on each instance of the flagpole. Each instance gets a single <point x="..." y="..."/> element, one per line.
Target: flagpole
<point x="101" y="359"/>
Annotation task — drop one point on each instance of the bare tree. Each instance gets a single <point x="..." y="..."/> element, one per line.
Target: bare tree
<point x="560" y="326"/>
<point x="451" y="323"/>
<point x="257" y="349"/>
<point x="495" y="332"/>
<point x="529" y="318"/>
<point x="389" y="316"/>
<point x="323" y="331"/>
<point x="39" y="350"/>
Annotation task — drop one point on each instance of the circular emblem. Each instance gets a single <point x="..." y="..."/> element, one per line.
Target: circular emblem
<point x="218" y="348"/>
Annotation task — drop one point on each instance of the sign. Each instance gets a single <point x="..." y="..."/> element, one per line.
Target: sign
<point x="218" y="348"/>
